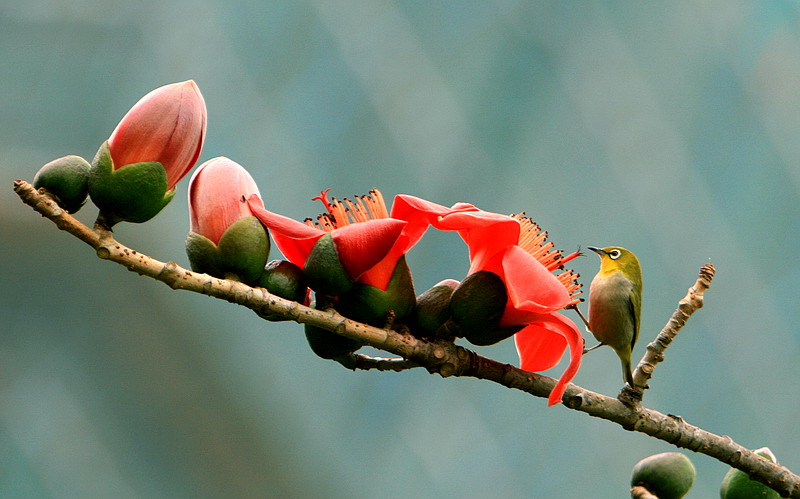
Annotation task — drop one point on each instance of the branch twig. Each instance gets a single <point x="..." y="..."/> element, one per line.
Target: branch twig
<point x="445" y="359"/>
<point x="654" y="354"/>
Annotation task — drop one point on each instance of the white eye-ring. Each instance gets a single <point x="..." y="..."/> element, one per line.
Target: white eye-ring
<point x="614" y="254"/>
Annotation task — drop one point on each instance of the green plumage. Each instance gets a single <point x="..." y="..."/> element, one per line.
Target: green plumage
<point x="615" y="303"/>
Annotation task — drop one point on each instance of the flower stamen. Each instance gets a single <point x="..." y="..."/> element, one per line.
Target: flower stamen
<point x="532" y="239"/>
<point x="347" y="212"/>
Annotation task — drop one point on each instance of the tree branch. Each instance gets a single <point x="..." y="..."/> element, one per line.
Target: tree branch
<point x="445" y="359"/>
<point x="654" y="354"/>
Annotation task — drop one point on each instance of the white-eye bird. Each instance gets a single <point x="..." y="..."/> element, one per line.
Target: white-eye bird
<point x="615" y="303"/>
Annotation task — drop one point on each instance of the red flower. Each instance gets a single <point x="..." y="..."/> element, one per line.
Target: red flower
<point x="362" y="232"/>
<point x="514" y="249"/>
<point x="368" y="239"/>
<point x="217" y="193"/>
<point x="168" y="125"/>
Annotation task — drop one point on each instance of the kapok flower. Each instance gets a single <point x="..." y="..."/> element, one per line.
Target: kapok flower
<point x="134" y="173"/>
<point x="225" y="239"/>
<point x="368" y="239"/>
<point x="359" y="240"/>
<point x="514" y="249"/>
<point x="167" y="126"/>
<point x="218" y="191"/>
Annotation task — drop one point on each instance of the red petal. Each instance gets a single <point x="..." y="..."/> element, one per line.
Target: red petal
<point x="537" y="347"/>
<point x="485" y="233"/>
<point x="168" y="125"/>
<point x="532" y="289"/>
<point x="294" y="239"/>
<point x="362" y="245"/>
<point x="419" y="214"/>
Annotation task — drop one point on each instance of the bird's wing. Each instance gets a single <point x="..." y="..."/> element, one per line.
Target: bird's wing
<point x="635" y="304"/>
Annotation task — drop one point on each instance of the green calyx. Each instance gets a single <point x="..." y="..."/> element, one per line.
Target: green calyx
<point x="432" y="310"/>
<point x="284" y="279"/>
<point x="324" y="271"/>
<point x="365" y="303"/>
<point x="476" y="307"/>
<point x="132" y="193"/>
<point x="241" y="254"/>
<point x="67" y="180"/>
<point x="738" y="485"/>
<point x="669" y="475"/>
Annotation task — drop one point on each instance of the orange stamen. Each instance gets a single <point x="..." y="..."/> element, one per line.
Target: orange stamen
<point x="533" y="240"/>
<point x="346" y="212"/>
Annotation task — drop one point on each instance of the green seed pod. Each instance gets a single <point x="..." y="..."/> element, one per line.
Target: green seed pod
<point x="738" y="485"/>
<point x="365" y="303"/>
<point x="433" y="309"/>
<point x="477" y="305"/>
<point x="669" y="475"/>
<point x="130" y="193"/>
<point x="324" y="271"/>
<point x="67" y="180"/>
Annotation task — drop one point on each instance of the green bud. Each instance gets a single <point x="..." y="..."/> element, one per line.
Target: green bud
<point x="324" y="271"/>
<point x="738" y="485"/>
<point x="365" y="303"/>
<point x="476" y="307"/>
<point x="128" y="193"/>
<point x="433" y="309"/>
<point x="67" y="180"/>
<point x="284" y="279"/>
<point x="327" y="344"/>
<point x="241" y="254"/>
<point x="669" y="475"/>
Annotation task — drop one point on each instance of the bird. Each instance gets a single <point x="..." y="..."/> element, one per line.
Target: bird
<point x="615" y="304"/>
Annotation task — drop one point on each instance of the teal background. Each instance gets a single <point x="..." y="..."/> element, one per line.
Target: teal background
<point x="671" y="128"/>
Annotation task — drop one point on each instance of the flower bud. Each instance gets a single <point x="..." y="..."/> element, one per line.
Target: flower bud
<point x="366" y="303"/>
<point x="66" y="179"/>
<point x="738" y="485"/>
<point x="134" y="173"/>
<point x="432" y="310"/>
<point x="327" y="344"/>
<point x="225" y="239"/>
<point x="669" y="475"/>
<point x="284" y="279"/>
<point x="476" y="307"/>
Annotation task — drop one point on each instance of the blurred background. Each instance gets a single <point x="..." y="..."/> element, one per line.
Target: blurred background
<point x="670" y="129"/>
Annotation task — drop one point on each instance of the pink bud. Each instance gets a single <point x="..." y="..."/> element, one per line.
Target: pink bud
<point x="218" y="193"/>
<point x="168" y="126"/>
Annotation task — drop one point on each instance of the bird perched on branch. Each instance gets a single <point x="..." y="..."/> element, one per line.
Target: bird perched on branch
<point x="615" y="303"/>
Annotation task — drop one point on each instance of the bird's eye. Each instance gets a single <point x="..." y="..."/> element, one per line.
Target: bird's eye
<point x="614" y="254"/>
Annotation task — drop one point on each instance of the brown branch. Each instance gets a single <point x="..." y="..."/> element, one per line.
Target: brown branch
<point x="654" y="354"/>
<point x="445" y="359"/>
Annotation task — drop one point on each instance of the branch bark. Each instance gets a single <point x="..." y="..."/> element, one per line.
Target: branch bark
<point x="445" y="359"/>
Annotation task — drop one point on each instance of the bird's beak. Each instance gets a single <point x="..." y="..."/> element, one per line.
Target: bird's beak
<point x="599" y="251"/>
